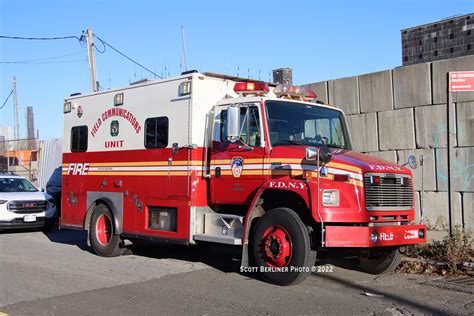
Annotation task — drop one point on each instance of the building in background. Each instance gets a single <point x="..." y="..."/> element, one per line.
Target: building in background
<point x="283" y="75"/>
<point x="448" y="38"/>
<point x="30" y="128"/>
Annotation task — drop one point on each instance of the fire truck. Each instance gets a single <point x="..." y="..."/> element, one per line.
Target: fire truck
<point x="210" y="158"/>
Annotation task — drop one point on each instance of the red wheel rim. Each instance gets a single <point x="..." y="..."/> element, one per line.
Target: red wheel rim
<point x="103" y="229"/>
<point x="277" y="246"/>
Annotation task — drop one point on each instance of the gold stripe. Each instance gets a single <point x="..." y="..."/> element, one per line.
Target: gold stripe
<point x="228" y="161"/>
<point x="344" y="166"/>
<point x="141" y="163"/>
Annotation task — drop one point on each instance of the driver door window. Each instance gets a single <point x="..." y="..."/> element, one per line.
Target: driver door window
<point x="250" y="133"/>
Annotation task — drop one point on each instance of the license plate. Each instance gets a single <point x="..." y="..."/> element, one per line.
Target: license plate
<point x="29" y="218"/>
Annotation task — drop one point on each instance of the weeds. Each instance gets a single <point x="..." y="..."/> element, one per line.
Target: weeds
<point x="444" y="257"/>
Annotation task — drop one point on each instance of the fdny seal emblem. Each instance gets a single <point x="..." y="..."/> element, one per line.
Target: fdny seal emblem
<point x="237" y="165"/>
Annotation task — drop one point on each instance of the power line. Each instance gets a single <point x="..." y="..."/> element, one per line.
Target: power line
<point x="133" y="61"/>
<point x="11" y="92"/>
<point x="41" y="59"/>
<point x="42" y="38"/>
<point x="44" y="62"/>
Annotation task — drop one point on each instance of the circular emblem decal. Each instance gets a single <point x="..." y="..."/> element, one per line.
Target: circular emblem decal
<point x="237" y="165"/>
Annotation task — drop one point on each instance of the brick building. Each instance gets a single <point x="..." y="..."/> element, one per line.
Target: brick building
<point x="448" y="38"/>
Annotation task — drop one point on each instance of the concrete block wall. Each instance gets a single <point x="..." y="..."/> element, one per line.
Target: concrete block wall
<point x="400" y="112"/>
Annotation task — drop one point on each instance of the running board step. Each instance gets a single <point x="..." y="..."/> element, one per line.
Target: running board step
<point x="222" y="228"/>
<point x="229" y="240"/>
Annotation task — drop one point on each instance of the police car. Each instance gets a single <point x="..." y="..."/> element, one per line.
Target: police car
<point x="22" y="205"/>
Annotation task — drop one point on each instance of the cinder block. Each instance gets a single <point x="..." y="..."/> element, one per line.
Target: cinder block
<point x="429" y="176"/>
<point x="431" y="126"/>
<point x="468" y="210"/>
<point x="363" y="130"/>
<point x="465" y="123"/>
<point x="375" y="90"/>
<point x="396" y="129"/>
<point x="344" y="94"/>
<point x="440" y="70"/>
<point x="436" y="211"/>
<point x="390" y="156"/>
<point x="412" y="86"/>
<point x="462" y="169"/>
<point x="320" y="88"/>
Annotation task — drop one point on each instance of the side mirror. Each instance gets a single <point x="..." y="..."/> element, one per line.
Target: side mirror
<point x="233" y="123"/>
<point x="412" y="162"/>
<point x="325" y="155"/>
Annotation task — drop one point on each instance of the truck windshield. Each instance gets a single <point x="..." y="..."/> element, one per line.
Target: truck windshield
<point x="297" y="124"/>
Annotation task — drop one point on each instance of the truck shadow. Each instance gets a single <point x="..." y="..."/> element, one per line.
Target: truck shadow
<point x="69" y="237"/>
<point x="220" y="257"/>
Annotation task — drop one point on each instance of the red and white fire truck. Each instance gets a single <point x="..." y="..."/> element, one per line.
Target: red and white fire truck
<point x="211" y="158"/>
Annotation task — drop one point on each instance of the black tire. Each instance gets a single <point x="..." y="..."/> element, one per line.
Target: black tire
<point x="102" y="235"/>
<point x="382" y="261"/>
<point x="269" y="252"/>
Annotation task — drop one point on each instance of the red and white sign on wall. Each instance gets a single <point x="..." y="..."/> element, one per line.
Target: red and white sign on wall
<point x="461" y="81"/>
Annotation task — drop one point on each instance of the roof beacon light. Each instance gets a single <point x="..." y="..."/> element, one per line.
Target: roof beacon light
<point x="294" y="92"/>
<point x="257" y="88"/>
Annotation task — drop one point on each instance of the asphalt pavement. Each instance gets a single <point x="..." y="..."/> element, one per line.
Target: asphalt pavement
<point x="57" y="274"/>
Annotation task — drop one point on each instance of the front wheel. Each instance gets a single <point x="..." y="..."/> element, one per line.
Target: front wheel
<point x="101" y="233"/>
<point x="381" y="261"/>
<point x="281" y="247"/>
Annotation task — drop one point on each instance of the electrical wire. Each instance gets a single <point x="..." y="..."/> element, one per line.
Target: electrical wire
<point x="133" y="61"/>
<point x="6" y="100"/>
<point x="41" y="59"/>
<point x="41" y="38"/>
<point x="44" y="62"/>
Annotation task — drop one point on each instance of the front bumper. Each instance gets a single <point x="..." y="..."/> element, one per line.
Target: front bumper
<point x="19" y="223"/>
<point x="364" y="236"/>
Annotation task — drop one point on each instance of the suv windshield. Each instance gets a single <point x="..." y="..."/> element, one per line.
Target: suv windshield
<point x="297" y="124"/>
<point x="16" y="185"/>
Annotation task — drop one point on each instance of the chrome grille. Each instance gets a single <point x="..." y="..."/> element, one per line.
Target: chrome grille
<point x="393" y="192"/>
<point x="27" y="207"/>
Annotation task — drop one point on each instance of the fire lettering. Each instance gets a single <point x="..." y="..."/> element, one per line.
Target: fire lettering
<point x="78" y="169"/>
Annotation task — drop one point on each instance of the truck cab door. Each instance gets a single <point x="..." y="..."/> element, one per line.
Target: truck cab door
<point x="237" y="167"/>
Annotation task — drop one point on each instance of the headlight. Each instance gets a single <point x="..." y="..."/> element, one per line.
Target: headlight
<point x="3" y="201"/>
<point x="330" y="197"/>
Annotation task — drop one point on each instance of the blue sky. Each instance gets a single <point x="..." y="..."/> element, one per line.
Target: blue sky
<point x="320" y="40"/>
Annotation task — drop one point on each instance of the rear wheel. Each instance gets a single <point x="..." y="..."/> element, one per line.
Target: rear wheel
<point x="281" y="247"/>
<point x="381" y="262"/>
<point x="102" y="235"/>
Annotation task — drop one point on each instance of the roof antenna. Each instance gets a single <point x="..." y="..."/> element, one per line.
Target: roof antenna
<point x="184" y="49"/>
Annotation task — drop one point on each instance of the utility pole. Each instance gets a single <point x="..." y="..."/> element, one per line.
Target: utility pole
<point x="184" y="49"/>
<point x="16" y="129"/>
<point x="90" y="51"/>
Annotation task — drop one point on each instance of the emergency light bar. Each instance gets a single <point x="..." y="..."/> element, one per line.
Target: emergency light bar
<point x="251" y="88"/>
<point x="292" y="92"/>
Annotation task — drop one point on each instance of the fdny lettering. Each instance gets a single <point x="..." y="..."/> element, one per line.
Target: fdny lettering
<point x="386" y="236"/>
<point x="114" y="143"/>
<point x="286" y="185"/>
<point x="384" y="168"/>
<point x="78" y="169"/>
<point x="116" y="112"/>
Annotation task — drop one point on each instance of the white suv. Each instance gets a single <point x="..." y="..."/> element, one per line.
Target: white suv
<point x="22" y="205"/>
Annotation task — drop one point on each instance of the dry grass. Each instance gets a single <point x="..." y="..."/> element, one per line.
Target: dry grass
<point x="444" y="257"/>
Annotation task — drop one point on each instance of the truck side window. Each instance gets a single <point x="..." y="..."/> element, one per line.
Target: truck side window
<point x="156" y="132"/>
<point x="249" y="126"/>
<point x="79" y="138"/>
